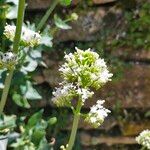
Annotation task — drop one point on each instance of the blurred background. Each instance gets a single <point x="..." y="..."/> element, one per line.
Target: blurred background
<point x="119" y="30"/>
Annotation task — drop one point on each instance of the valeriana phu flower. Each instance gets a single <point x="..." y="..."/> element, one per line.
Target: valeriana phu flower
<point x="8" y="60"/>
<point x="28" y="37"/>
<point x="64" y="95"/>
<point x="144" y="139"/>
<point x="97" y="114"/>
<point x="82" y="71"/>
<point x="85" y="69"/>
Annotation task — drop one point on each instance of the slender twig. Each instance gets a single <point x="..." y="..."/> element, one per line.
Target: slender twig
<point x="9" y="76"/>
<point x="46" y="16"/>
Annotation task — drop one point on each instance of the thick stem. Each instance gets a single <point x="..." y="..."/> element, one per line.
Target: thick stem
<point x="6" y="90"/>
<point x="8" y="79"/>
<point x="20" y="19"/>
<point x="75" y="126"/>
<point x="48" y="13"/>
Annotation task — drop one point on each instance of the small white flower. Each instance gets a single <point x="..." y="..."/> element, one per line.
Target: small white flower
<point x="84" y="93"/>
<point x="28" y="37"/>
<point x="100" y="63"/>
<point x="144" y="139"/>
<point x="105" y="76"/>
<point x="93" y="119"/>
<point x="97" y="114"/>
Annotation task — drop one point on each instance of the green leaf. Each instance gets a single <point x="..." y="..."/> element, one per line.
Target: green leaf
<point x="44" y="145"/>
<point x="30" y="65"/>
<point x="60" y="23"/>
<point x="65" y="2"/>
<point x="7" y="123"/>
<point x="20" y="101"/>
<point x="52" y="121"/>
<point x="37" y="136"/>
<point x="46" y="40"/>
<point x="35" y="118"/>
<point x="29" y="92"/>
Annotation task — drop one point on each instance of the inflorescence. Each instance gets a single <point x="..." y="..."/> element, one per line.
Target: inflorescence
<point x="97" y="114"/>
<point x="28" y="37"/>
<point x="82" y="72"/>
<point x="8" y="60"/>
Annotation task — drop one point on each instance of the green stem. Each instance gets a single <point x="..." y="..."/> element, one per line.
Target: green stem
<point x="3" y="25"/>
<point x="6" y="90"/>
<point x="73" y="132"/>
<point x="20" y="19"/>
<point x="48" y="13"/>
<point x="75" y="126"/>
<point x="15" y="48"/>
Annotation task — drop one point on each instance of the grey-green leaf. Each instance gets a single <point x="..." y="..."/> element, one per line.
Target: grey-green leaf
<point x="29" y="92"/>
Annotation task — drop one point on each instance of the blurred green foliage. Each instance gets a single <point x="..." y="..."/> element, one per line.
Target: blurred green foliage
<point x="33" y="133"/>
<point x="137" y="32"/>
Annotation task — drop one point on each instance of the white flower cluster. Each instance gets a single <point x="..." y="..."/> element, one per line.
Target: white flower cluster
<point x="8" y="60"/>
<point x="84" y="93"/>
<point x="64" y="94"/>
<point x="28" y="37"/>
<point x="82" y="72"/>
<point x="86" y="69"/>
<point x="97" y="114"/>
<point x="144" y="139"/>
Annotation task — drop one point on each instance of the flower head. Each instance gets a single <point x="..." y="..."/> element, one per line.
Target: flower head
<point x="8" y="60"/>
<point x="97" y="114"/>
<point x="85" y="69"/>
<point x="28" y="37"/>
<point x="144" y="139"/>
<point x="82" y="71"/>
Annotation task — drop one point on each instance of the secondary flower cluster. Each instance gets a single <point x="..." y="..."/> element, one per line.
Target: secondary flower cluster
<point x="97" y="114"/>
<point x="8" y="60"/>
<point x="144" y="139"/>
<point x="66" y="92"/>
<point x="28" y="37"/>
<point x="82" y="72"/>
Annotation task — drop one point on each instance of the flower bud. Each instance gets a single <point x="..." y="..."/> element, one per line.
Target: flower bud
<point x="74" y="16"/>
